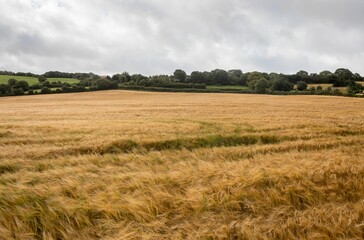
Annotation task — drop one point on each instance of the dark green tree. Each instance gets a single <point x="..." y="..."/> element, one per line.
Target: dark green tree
<point x="220" y="77"/>
<point x="301" y="85"/>
<point x="344" y="73"/>
<point x="355" y="88"/>
<point x="302" y="73"/>
<point x="197" y="77"/>
<point x="253" y="78"/>
<point x="103" y="84"/>
<point x="261" y="86"/>
<point x="45" y="90"/>
<point x="22" y="84"/>
<point x="4" y="89"/>
<point x="325" y="73"/>
<point x="42" y="79"/>
<point x="17" y="91"/>
<point x="12" y="82"/>
<point x="281" y="85"/>
<point x="180" y="75"/>
<point x="236" y="77"/>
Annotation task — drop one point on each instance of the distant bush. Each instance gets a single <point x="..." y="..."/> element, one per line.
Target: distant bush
<point x="104" y="84"/>
<point x="22" y="84"/>
<point x="45" y="90"/>
<point x="4" y="88"/>
<point x="301" y="86"/>
<point x="282" y="85"/>
<point x="17" y="91"/>
<point x="42" y="79"/>
<point x="12" y="82"/>
<point x="261" y="86"/>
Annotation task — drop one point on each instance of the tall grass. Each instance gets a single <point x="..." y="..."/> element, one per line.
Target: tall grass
<point x="136" y="165"/>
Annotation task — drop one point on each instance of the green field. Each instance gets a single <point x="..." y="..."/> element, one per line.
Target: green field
<point x="33" y="80"/>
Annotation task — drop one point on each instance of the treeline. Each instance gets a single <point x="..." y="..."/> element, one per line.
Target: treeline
<point x="340" y="78"/>
<point x="255" y="82"/>
<point x="28" y="74"/>
<point x="50" y="74"/>
<point x="258" y="82"/>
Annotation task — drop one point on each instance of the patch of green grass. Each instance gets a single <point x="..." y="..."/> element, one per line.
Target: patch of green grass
<point x="33" y="80"/>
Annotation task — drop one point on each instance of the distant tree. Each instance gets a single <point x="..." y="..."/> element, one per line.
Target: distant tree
<point x="344" y="73"/>
<point x="302" y="73"/>
<point x="236" y="77"/>
<point x="180" y="75"/>
<point x="103" y="84"/>
<point x="57" y="74"/>
<point x="12" y="82"/>
<point x="281" y="85"/>
<point x="4" y="89"/>
<point x="207" y="77"/>
<point x="121" y="78"/>
<point x="261" y="86"/>
<point x="197" y="77"/>
<point x="137" y="77"/>
<point x="22" y="84"/>
<point x="357" y="77"/>
<point x="319" y="88"/>
<point x="124" y="77"/>
<point x="343" y="77"/>
<point x="42" y="79"/>
<point x="219" y="76"/>
<point x="45" y="90"/>
<point x="325" y="73"/>
<point x="253" y="78"/>
<point x="46" y="84"/>
<point x="337" y="92"/>
<point x="18" y="91"/>
<point x="301" y="86"/>
<point x="354" y="88"/>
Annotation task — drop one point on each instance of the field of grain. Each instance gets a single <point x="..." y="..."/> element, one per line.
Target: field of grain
<point x="139" y="165"/>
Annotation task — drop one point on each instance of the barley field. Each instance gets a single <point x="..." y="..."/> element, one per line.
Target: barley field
<point x="140" y="165"/>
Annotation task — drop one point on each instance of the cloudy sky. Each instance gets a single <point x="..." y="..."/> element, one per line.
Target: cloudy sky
<point x="159" y="36"/>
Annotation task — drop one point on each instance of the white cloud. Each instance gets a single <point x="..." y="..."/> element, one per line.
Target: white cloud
<point x="158" y="36"/>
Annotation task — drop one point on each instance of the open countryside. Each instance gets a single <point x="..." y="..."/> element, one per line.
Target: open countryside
<point x="141" y="165"/>
<point x="342" y="82"/>
<point x="34" y="80"/>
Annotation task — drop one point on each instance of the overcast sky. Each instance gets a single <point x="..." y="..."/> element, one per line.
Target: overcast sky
<point x="159" y="36"/>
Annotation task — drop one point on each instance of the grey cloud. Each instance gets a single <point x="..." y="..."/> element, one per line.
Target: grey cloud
<point x="158" y="36"/>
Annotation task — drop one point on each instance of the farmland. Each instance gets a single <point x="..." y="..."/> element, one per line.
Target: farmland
<point x="140" y="165"/>
<point x="33" y="80"/>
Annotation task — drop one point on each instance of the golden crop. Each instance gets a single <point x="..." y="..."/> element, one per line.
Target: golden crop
<point x="139" y="165"/>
